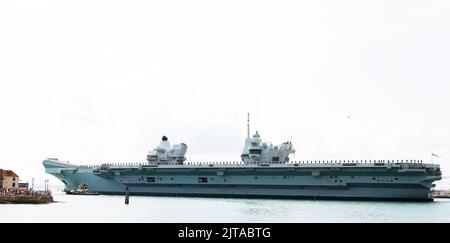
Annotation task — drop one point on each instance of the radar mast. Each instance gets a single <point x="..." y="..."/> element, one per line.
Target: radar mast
<point x="248" y="125"/>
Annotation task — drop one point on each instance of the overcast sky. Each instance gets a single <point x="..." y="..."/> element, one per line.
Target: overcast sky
<point x="93" y="81"/>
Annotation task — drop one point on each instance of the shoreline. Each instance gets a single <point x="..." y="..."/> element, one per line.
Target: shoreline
<point x="25" y="199"/>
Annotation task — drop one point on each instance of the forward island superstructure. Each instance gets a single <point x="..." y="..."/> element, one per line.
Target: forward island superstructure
<point x="265" y="171"/>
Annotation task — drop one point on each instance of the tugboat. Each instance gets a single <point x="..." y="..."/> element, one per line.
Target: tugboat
<point x="81" y="190"/>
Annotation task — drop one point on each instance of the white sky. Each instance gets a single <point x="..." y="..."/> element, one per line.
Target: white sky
<point x="93" y="81"/>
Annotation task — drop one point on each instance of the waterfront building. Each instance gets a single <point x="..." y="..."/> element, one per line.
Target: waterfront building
<point x="8" y="179"/>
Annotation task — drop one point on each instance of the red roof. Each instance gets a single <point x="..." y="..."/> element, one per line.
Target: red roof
<point x="7" y="173"/>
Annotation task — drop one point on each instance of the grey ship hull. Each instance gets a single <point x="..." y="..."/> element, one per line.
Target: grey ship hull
<point x="362" y="181"/>
<point x="237" y="191"/>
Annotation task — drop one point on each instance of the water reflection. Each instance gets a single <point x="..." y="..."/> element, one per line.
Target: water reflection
<point x="73" y="208"/>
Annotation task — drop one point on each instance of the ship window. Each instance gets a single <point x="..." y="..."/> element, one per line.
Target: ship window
<point x="275" y="159"/>
<point x="255" y="151"/>
<point x="203" y="180"/>
<point x="150" y="179"/>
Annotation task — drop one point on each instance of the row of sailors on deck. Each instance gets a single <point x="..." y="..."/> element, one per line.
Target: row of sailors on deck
<point x="275" y="162"/>
<point x="315" y="162"/>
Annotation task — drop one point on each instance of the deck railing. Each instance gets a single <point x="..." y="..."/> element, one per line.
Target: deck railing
<point x="340" y="162"/>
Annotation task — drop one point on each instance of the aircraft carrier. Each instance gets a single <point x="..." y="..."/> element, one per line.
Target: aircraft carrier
<point x="264" y="171"/>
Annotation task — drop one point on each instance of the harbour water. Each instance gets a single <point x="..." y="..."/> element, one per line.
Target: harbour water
<point x="75" y="208"/>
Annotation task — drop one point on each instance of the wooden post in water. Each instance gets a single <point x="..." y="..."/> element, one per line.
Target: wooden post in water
<point x="127" y="195"/>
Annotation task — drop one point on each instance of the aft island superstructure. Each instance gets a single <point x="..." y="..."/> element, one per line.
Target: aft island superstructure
<point x="264" y="171"/>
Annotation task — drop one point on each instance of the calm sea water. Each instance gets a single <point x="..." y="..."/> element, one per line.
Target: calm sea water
<point x="72" y="208"/>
